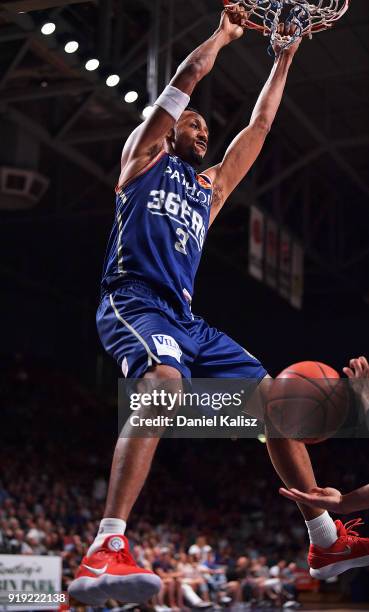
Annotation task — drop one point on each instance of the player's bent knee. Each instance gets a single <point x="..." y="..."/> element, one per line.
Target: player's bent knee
<point x="161" y="377"/>
<point x="161" y="382"/>
<point x="162" y="372"/>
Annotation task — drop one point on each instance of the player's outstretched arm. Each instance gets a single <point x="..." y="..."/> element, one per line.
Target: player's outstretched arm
<point x="245" y="148"/>
<point x="331" y="499"/>
<point x="147" y="140"/>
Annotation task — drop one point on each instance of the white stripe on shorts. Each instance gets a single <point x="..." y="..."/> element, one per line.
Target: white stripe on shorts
<point x="150" y="355"/>
<point x="123" y="199"/>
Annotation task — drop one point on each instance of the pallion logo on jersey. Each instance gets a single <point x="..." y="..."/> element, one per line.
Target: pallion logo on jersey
<point x="192" y="191"/>
<point x="166" y="345"/>
<point x="201" y="181"/>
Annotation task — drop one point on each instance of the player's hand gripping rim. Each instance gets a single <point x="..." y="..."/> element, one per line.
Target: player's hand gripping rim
<point x="233" y="21"/>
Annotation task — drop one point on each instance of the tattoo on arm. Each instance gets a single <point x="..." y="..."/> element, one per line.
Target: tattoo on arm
<point x="217" y="202"/>
<point x="217" y="199"/>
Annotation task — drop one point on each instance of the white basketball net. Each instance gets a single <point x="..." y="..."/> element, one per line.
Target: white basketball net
<point x="307" y="17"/>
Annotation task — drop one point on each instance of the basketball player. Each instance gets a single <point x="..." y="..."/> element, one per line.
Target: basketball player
<point x="163" y="211"/>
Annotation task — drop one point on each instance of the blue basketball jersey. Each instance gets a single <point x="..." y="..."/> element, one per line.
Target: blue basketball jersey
<point x="161" y="221"/>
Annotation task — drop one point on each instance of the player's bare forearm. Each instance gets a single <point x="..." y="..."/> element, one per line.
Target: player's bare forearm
<point x="246" y="147"/>
<point x="356" y="500"/>
<point x="200" y="62"/>
<point x="330" y="499"/>
<point x="270" y="97"/>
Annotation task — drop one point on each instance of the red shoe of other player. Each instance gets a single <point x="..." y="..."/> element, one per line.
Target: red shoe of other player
<point x="348" y="551"/>
<point x="111" y="573"/>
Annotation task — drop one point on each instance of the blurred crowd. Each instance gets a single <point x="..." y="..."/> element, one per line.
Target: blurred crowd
<point x="202" y="562"/>
<point x="209" y="521"/>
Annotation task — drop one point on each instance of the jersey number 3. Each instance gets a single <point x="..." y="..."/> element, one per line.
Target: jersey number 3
<point x="180" y="245"/>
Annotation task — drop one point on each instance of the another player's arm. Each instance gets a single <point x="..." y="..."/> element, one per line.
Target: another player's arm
<point x="245" y="148"/>
<point x="331" y="499"/>
<point x="147" y="140"/>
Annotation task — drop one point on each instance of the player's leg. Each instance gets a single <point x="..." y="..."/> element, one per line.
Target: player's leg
<point x="134" y="328"/>
<point x="221" y="357"/>
<point x="291" y="461"/>
<point x="133" y="456"/>
<point x="108" y="571"/>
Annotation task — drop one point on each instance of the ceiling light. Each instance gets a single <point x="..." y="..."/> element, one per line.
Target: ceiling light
<point x="71" y="46"/>
<point x="48" y="28"/>
<point x="147" y="111"/>
<point x="92" y="64"/>
<point x="112" y="80"/>
<point x="131" y="96"/>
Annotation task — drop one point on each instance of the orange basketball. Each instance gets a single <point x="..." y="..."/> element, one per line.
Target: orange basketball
<point x="308" y="401"/>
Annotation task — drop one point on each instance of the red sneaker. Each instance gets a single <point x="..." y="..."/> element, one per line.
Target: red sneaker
<point x="348" y="551"/>
<point x="111" y="573"/>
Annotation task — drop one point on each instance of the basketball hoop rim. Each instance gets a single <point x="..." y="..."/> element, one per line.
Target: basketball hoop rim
<point x="251" y="25"/>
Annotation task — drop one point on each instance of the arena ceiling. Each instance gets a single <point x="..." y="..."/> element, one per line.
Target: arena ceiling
<point x="312" y="175"/>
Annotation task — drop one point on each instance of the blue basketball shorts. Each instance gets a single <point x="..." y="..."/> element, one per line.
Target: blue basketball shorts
<point x="140" y="329"/>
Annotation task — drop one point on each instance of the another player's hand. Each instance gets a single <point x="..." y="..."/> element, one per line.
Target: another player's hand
<point x="359" y="368"/>
<point x="358" y="372"/>
<point x="327" y="498"/>
<point x="233" y="21"/>
<point x="286" y="30"/>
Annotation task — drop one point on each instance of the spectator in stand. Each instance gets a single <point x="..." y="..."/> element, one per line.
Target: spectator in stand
<point x="194" y="587"/>
<point x="285" y="573"/>
<point x="165" y="567"/>
<point x="238" y="587"/>
<point x="200" y="548"/>
<point x="215" y="577"/>
<point x="264" y="587"/>
<point x="18" y="544"/>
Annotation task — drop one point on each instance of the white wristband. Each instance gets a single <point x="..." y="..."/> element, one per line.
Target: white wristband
<point x="173" y="100"/>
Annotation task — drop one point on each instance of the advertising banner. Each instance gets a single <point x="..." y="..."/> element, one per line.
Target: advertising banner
<point x="30" y="582"/>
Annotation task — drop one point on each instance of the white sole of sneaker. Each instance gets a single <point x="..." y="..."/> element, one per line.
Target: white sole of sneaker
<point x="328" y="571"/>
<point x="135" y="587"/>
<point x="96" y="591"/>
<point x="87" y="591"/>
